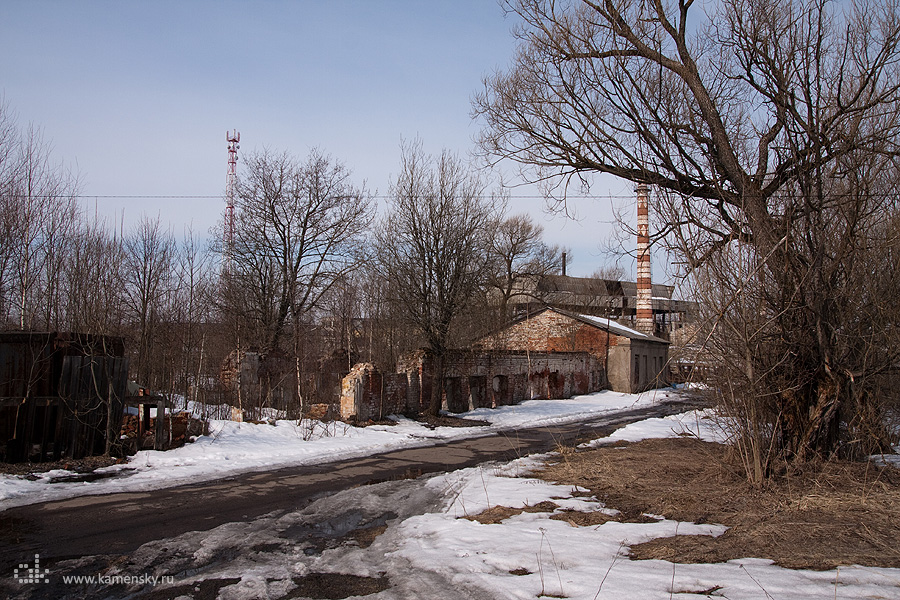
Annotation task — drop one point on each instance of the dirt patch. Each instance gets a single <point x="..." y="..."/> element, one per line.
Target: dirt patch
<point x="81" y="465"/>
<point x="447" y="421"/>
<point x="365" y="537"/>
<point x="578" y="518"/>
<point x="498" y="514"/>
<point x="839" y="513"/>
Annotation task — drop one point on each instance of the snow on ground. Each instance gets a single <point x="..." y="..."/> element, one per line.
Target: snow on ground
<point x="233" y="448"/>
<point x="706" y="425"/>
<point x="428" y="550"/>
<point x="592" y="562"/>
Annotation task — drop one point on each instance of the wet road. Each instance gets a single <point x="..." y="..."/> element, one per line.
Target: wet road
<point x="118" y="524"/>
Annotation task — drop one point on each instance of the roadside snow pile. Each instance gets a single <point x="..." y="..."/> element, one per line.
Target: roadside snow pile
<point x="233" y="448"/>
<point x="707" y="425"/>
<point x="536" y="413"/>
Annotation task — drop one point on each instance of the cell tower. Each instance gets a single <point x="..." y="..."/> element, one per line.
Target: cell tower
<point x="233" y="138"/>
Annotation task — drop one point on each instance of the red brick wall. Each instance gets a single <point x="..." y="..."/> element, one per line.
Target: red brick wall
<point x="368" y="395"/>
<point x="473" y="379"/>
<point x="551" y="331"/>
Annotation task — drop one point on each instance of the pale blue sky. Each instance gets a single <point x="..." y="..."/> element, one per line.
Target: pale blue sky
<point x="137" y="96"/>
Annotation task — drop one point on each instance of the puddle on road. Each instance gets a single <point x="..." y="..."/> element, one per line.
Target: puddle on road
<point x="91" y="476"/>
<point x="336" y="586"/>
<point x="351" y="525"/>
<point x="409" y="473"/>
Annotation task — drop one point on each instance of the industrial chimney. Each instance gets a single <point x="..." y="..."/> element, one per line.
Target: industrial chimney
<point x="644" y="306"/>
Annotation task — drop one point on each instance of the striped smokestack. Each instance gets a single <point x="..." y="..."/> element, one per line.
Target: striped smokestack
<point x="644" y="308"/>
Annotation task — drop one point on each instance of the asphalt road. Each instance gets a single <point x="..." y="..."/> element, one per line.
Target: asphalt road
<point x="117" y="524"/>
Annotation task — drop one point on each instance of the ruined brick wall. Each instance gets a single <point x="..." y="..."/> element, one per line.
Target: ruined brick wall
<point x="551" y="331"/>
<point x="473" y="379"/>
<point x="367" y="394"/>
<point x="482" y="378"/>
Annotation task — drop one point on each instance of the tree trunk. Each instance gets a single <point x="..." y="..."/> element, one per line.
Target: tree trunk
<point x="437" y="385"/>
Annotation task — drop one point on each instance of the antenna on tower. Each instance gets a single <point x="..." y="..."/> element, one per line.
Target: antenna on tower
<point x="232" y="138"/>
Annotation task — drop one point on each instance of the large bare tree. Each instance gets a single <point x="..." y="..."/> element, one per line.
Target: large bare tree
<point x="770" y="131"/>
<point x="148" y="278"/>
<point x="433" y="246"/>
<point x="298" y="230"/>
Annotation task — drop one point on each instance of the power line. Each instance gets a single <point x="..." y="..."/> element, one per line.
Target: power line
<point x="780" y="196"/>
<point x="220" y="196"/>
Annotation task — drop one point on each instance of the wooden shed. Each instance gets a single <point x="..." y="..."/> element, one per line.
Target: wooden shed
<point x="61" y="394"/>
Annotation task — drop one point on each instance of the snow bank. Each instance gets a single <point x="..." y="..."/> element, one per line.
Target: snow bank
<point x="233" y="448"/>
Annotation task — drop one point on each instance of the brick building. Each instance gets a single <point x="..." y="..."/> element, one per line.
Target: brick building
<point x="552" y="354"/>
<point x="473" y="378"/>
<point x="633" y="361"/>
<point x="604" y="297"/>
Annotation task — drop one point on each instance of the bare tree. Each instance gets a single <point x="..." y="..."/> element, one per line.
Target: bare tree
<point x="299" y="227"/>
<point x="39" y="214"/>
<point x="609" y="273"/>
<point x="386" y="332"/>
<point x="191" y="314"/>
<point x="94" y="282"/>
<point x="433" y="246"/>
<point x="520" y="258"/>
<point x="770" y="131"/>
<point x="150" y="254"/>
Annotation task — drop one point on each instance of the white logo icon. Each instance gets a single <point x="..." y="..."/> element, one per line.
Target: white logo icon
<point x="27" y="574"/>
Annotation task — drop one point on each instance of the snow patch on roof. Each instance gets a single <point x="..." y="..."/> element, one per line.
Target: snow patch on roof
<point x="615" y="327"/>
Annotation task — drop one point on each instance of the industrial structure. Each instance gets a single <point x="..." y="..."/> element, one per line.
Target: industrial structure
<point x="570" y="336"/>
<point x="642" y="305"/>
<point x="644" y="321"/>
<point x="232" y="138"/>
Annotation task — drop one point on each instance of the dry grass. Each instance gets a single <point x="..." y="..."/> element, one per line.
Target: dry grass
<point x="498" y="514"/>
<point x="837" y="513"/>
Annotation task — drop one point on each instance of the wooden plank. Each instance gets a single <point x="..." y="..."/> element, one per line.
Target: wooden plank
<point x="159" y="442"/>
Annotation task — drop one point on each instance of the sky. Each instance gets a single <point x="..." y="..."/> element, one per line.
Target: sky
<point x="137" y="97"/>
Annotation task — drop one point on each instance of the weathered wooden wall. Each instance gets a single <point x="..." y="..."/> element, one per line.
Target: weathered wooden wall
<point x="61" y="394"/>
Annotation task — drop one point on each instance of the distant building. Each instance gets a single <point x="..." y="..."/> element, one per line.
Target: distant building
<point x="604" y="298"/>
<point x="633" y="361"/>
